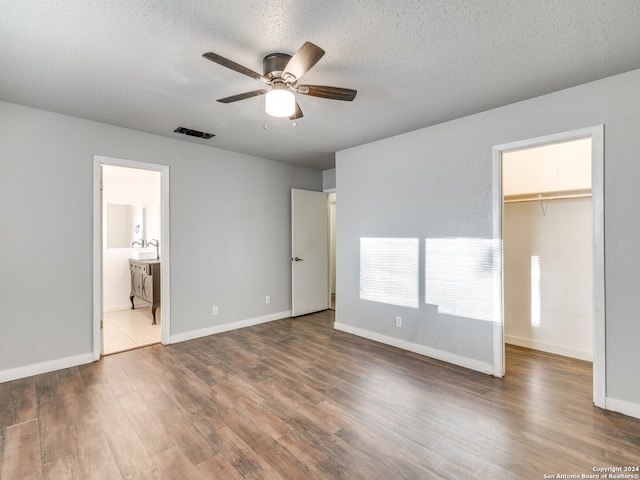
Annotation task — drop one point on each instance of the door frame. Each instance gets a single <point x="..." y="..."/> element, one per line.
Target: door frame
<point x="165" y="250"/>
<point x="596" y="133"/>
<point x="332" y="232"/>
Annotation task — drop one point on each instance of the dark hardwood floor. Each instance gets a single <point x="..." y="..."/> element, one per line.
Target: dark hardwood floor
<point x="294" y="399"/>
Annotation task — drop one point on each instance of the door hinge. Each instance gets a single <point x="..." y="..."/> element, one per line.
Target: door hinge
<point x="101" y="324"/>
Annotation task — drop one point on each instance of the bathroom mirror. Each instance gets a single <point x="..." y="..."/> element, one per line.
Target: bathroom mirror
<point x="131" y="223"/>
<point x="124" y="225"/>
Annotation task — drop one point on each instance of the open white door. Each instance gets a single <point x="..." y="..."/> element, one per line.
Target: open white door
<point x="309" y="252"/>
<point x="102" y="260"/>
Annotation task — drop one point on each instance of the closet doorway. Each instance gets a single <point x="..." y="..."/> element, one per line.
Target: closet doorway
<point x="548" y="198"/>
<point x="547" y="249"/>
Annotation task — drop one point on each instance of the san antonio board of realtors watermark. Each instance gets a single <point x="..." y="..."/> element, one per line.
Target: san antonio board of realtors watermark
<point x="600" y="473"/>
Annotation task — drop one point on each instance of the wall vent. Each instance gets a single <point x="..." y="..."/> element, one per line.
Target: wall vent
<point x="193" y="133"/>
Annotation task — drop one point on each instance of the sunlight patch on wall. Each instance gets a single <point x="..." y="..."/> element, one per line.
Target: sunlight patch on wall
<point x="389" y="271"/>
<point x="536" y="297"/>
<point x="463" y="277"/>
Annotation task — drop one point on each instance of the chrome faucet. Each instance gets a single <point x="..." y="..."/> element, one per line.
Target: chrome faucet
<point x="141" y="243"/>
<point x="157" y="245"/>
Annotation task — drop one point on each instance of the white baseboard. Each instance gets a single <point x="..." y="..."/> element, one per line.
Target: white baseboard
<point x="139" y="303"/>
<point x="119" y="309"/>
<point x="59" y="364"/>
<point x="448" y="357"/>
<point x="622" y="406"/>
<point x="549" y="348"/>
<point x="226" y="327"/>
<point x="45" y="367"/>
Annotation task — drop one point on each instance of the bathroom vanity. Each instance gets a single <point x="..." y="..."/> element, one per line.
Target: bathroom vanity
<point x="145" y="283"/>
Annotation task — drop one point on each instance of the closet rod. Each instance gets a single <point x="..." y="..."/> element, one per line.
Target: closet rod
<point x="544" y="199"/>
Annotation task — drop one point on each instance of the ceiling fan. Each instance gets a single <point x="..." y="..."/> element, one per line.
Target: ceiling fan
<point x="281" y="73"/>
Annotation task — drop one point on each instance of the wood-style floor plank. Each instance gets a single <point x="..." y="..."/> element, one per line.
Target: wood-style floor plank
<point x="218" y="467"/>
<point x="22" y="452"/>
<point x="295" y="399"/>
<point x="130" y="454"/>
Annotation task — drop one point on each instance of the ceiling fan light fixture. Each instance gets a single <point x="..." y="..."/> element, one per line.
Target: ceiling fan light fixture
<point x="280" y="102"/>
<point x="281" y="72"/>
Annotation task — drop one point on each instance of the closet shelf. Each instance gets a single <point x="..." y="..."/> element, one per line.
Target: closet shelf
<point x="544" y="198"/>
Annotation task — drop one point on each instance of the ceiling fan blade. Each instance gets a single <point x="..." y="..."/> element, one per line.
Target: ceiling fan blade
<point x="333" y="93"/>
<point x="297" y="114"/>
<point x="305" y="58"/>
<point x="242" y="96"/>
<point x="214" y="57"/>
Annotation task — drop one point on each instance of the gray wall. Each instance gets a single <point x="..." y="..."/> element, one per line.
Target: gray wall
<point x="437" y="182"/>
<point x="329" y="179"/>
<point x="230" y="231"/>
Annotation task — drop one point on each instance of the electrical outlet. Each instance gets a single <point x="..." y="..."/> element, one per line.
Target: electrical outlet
<point x="215" y="310"/>
<point x="267" y="299"/>
<point x="398" y="321"/>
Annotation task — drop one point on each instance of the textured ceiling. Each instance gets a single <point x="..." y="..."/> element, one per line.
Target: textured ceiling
<point x="138" y="64"/>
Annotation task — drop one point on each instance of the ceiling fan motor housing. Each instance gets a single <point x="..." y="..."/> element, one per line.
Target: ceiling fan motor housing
<point x="273" y="65"/>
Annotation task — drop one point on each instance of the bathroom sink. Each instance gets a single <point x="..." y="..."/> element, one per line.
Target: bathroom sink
<point x="144" y="254"/>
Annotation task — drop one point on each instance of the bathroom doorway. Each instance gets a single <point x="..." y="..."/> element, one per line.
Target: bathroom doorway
<point x="130" y="255"/>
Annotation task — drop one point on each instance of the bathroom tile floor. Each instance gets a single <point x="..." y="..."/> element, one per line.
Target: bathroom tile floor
<point x="128" y="329"/>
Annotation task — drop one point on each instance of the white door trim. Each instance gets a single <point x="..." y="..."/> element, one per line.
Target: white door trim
<point x="165" y="250"/>
<point x="332" y="250"/>
<point x="596" y="134"/>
